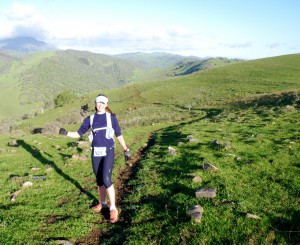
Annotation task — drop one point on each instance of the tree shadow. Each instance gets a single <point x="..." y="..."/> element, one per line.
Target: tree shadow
<point x="36" y="154"/>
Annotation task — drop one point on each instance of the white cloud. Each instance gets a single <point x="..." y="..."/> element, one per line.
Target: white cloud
<point x="246" y="44"/>
<point x="118" y="37"/>
<point x="113" y="36"/>
<point x="20" y="12"/>
<point x="23" y="20"/>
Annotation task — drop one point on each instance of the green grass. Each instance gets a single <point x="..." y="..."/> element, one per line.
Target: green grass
<point x="59" y="206"/>
<point x="265" y="182"/>
<point x="251" y="108"/>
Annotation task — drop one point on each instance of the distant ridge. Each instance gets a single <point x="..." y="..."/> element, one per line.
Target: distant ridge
<point x="152" y="60"/>
<point x="25" y="45"/>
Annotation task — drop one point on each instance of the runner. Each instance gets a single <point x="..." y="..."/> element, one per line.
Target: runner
<point x="104" y="126"/>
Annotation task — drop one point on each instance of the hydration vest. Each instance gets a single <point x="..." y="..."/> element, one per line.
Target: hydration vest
<point x="109" y="129"/>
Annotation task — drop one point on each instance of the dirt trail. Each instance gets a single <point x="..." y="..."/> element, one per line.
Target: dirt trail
<point x="122" y="189"/>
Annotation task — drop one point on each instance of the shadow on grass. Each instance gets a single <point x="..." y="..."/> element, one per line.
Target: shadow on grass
<point x="290" y="228"/>
<point x="168" y="206"/>
<point x="36" y="154"/>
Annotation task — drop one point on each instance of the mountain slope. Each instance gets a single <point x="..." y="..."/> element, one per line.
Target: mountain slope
<point x="151" y="60"/>
<point x="78" y="71"/>
<point x="189" y="66"/>
<point x="180" y="98"/>
<point x="29" y="80"/>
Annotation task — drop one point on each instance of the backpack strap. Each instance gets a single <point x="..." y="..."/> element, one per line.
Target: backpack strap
<point x="108" y="120"/>
<point x="109" y="129"/>
<point x="91" y="121"/>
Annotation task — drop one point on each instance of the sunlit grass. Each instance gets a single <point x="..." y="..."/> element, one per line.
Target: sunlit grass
<point x="257" y="156"/>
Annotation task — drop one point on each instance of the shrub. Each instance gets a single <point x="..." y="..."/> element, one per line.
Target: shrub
<point x="64" y="98"/>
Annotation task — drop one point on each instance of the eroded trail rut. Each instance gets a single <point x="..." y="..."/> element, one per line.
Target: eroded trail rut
<point x="122" y="189"/>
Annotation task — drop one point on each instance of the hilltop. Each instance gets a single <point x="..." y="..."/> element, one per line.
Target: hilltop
<point x="25" y="45"/>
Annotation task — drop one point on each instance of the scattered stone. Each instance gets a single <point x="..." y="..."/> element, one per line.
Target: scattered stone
<point x="197" y="179"/>
<point x="13" y="143"/>
<point x="39" y="177"/>
<point x="238" y="159"/>
<point x="49" y="169"/>
<point x="35" y="169"/>
<point x="206" y="192"/>
<point x="64" y="242"/>
<point x="252" y="216"/>
<point x="191" y="139"/>
<point x="180" y="143"/>
<point x="26" y="185"/>
<point x="209" y="166"/>
<point x="172" y="151"/>
<point x="230" y="155"/>
<point x="15" y="195"/>
<point x="196" y="213"/>
<point x="290" y="107"/>
<point x="18" y="179"/>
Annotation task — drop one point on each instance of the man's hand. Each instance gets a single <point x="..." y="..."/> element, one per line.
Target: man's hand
<point x="127" y="155"/>
<point x="62" y="131"/>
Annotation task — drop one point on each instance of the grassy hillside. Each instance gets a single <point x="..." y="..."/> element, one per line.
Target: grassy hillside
<point x="182" y="97"/>
<point x="242" y="118"/>
<point x="80" y="72"/>
<point x="256" y="153"/>
<point x="27" y="82"/>
<point x="188" y="66"/>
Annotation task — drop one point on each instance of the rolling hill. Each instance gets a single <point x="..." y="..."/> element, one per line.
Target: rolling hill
<point x="28" y="81"/>
<point x="173" y="99"/>
<point x="241" y="120"/>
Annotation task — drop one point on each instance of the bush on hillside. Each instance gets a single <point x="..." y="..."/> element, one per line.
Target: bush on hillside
<point x="64" y="98"/>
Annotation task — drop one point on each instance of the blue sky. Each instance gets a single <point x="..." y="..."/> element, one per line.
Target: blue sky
<point x="229" y="28"/>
